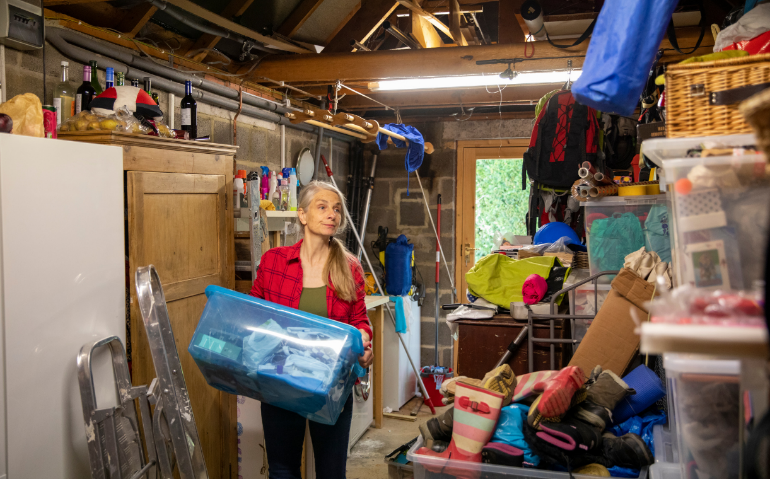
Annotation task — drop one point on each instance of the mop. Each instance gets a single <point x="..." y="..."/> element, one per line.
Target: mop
<point x="379" y="287"/>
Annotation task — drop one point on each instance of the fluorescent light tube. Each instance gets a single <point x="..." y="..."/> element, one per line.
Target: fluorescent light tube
<point x="522" y="78"/>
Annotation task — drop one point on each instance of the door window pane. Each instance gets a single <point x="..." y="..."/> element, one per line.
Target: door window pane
<point x="501" y="204"/>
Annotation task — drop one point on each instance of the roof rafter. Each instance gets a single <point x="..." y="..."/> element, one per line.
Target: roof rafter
<point x="135" y="18"/>
<point x="298" y="17"/>
<point x="361" y="25"/>
<point x="207" y="41"/>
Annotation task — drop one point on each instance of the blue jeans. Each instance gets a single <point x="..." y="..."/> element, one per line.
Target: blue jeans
<point x="285" y="433"/>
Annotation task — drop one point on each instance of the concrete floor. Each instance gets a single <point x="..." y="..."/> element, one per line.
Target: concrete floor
<point x="367" y="458"/>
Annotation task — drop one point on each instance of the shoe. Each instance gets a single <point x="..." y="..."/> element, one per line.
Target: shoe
<point x="475" y="416"/>
<point x="502" y="380"/>
<point x="593" y="470"/>
<point x="557" y="394"/>
<point x="603" y="391"/>
<point x="502" y="454"/>
<point x="628" y="451"/>
<point x="437" y="428"/>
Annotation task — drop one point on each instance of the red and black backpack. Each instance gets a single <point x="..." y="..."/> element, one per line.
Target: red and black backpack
<point x="566" y="134"/>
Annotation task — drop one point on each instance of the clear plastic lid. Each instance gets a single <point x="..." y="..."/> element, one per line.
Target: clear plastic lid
<point x="659" y="149"/>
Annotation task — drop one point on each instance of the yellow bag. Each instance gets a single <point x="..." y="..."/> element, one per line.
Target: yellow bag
<point x="26" y="111"/>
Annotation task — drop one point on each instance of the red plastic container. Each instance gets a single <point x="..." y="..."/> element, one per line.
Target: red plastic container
<point x="433" y="383"/>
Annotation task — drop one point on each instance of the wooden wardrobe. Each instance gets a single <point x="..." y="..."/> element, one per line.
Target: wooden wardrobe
<point x="179" y="218"/>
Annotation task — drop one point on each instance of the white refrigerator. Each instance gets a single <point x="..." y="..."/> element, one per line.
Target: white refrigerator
<point x="62" y="284"/>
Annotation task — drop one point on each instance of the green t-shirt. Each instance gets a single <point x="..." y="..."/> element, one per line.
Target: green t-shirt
<point x="313" y="301"/>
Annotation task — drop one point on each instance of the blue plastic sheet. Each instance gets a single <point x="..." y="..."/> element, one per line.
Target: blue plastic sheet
<point x="415" y="151"/>
<point x="641" y="426"/>
<point x="282" y="356"/>
<point x="623" y="46"/>
<point x="509" y="431"/>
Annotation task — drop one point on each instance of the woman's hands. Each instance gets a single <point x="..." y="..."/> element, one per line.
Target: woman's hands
<point x="366" y="360"/>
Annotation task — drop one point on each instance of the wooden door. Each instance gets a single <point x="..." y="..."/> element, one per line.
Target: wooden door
<point x="468" y="153"/>
<point x="179" y="223"/>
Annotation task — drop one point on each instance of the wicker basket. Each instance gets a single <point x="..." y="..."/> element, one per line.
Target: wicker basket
<point x="688" y="93"/>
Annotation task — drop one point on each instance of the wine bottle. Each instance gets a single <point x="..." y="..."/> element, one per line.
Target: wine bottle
<point x="148" y="89"/>
<point x="95" y="78"/>
<point x="64" y="96"/>
<point x="120" y="79"/>
<point x="110" y="78"/>
<point x="85" y="92"/>
<point x="189" y="111"/>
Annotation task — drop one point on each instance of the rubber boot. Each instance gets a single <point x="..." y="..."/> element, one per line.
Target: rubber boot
<point x="602" y="394"/>
<point x="475" y="416"/>
<point x="556" y="395"/>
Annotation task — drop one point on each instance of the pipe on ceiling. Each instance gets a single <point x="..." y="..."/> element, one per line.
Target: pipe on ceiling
<point x="254" y="107"/>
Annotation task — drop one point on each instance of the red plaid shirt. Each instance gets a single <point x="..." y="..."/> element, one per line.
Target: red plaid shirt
<point x="279" y="280"/>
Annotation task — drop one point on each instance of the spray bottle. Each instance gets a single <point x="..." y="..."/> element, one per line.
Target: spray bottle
<point x="273" y="185"/>
<point x="275" y="197"/>
<point x="265" y="182"/>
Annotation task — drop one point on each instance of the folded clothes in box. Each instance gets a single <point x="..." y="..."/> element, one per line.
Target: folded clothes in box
<point x="282" y="356"/>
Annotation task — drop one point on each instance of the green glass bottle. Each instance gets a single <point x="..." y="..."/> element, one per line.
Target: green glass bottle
<point x="120" y="79"/>
<point x="95" y="78"/>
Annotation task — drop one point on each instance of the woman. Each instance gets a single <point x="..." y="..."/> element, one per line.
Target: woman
<point x="317" y="275"/>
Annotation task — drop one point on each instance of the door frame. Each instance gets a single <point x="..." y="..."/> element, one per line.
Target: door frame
<point x="467" y="154"/>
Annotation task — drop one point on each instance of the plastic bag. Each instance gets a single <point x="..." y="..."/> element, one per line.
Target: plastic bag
<point x="26" y="111"/>
<point x="89" y="121"/>
<point x="560" y="246"/>
<point x="621" y="53"/>
<point x="132" y="125"/>
<point x="509" y="430"/>
<point x="689" y="305"/>
<point x="751" y="24"/>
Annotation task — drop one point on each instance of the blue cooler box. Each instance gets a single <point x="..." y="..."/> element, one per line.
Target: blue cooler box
<point x="278" y="355"/>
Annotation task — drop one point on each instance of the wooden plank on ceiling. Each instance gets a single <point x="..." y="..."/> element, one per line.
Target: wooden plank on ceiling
<point x="362" y="25"/>
<point x="454" y="23"/>
<point x="424" y="32"/>
<point x="218" y="20"/>
<point x="428" y="16"/>
<point x="343" y="22"/>
<point x="373" y="66"/>
<point x="298" y="17"/>
<point x="508" y="28"/>
<point x="135" y="18"/>
<point x="207" y="41"/>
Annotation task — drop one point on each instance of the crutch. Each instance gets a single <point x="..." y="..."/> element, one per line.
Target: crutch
<point x="379" y="287"/>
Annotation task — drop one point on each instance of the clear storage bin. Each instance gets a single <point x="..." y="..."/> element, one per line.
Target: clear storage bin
<point x="616" y="226"/>
<point x="282" y="356"/>
<point x="424" y="467"/>
<point x="664" y="442"/>
<point x="714" y="402"/>
<point x="720" y="220"/>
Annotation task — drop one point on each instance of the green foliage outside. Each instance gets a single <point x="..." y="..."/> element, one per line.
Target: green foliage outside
<point x="501" y="204"/>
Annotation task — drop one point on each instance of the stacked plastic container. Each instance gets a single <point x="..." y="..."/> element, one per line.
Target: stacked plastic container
<point x="716" y="402"/>
<point x="719" y="203"/>
<point x="616" y="226"/>
<point x="426" y="467"/>
<point x="282" y="356"/>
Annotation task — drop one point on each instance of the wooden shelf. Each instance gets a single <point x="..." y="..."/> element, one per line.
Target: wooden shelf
<point x="658" y="338"/>
<point x="105" y="137"/>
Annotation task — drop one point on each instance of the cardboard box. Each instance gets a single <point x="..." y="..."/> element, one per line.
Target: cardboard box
<point x="611" y="341"/>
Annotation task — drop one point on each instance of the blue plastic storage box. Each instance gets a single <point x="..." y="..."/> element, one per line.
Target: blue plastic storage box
<point x="282" y="356"/>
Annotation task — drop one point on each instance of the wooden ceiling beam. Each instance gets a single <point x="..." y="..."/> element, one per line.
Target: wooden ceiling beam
<point x="135" y="18"/>
<point x="298" y="17"/>
<point x="361" y="26"/>
<point x="432" y="19"/>
<point x="424" y="32"/>
<point x="454" y="23"/>
<point x="207" y="41"/>
<point x="508" y="28"/>
<point x="208" y="15"/>
<point x="433" y="62"/>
